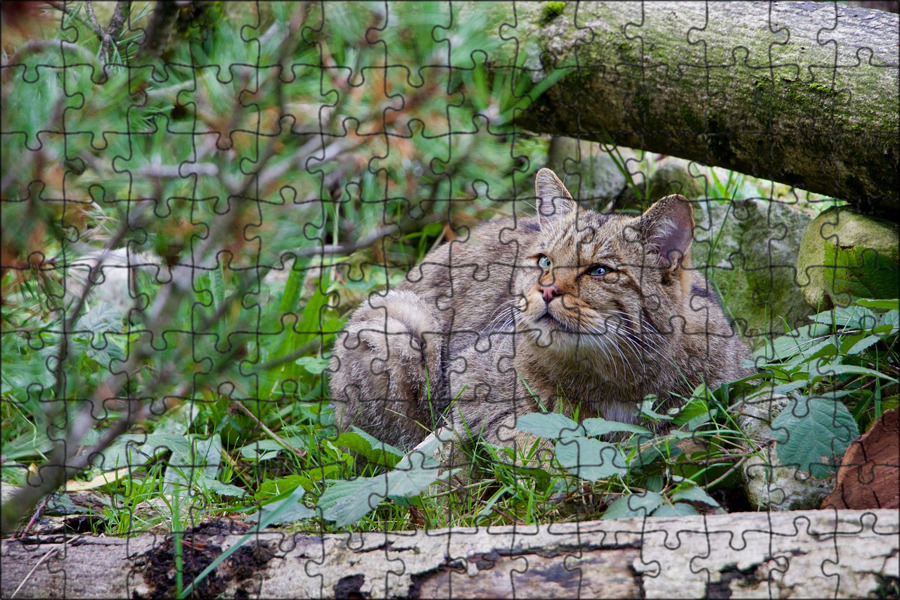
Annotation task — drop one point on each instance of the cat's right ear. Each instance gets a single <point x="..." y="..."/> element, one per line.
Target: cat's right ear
<point x="553" y="199"/>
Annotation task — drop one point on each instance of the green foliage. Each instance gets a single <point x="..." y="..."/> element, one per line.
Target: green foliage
<point x="813" y="433"/>
<point x="860" y="272"/>
<point x="840" y="373"/>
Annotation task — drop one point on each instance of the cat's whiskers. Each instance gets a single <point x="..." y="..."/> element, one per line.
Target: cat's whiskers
<point x="504" y="311"/>
<point x="641" y="335"/>
<point x="602" y="339"/>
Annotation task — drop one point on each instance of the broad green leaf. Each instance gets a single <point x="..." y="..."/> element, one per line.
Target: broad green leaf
<point x="223" y="489"/>
<point x="859" y="272"/>
<point x="784" y="388"/>
<point x="552" y="426"/>
<point x="378" y="444"/>
<point x="346" y="502"/>
<point x="598" y="427"/>
<point x="694" y="493"/>
<point x="313" y="364"/>
<point x="813" y="433"/>
<point x="589" y="458"/>
<point x="369" y="448"/>
<point x="857" y="343"/>
<point x="886" y="304"/>
<point x="679" y="509"/>
<point x="827" y="369"/>
<point x="647" y="409"/>
<point x="633" y="505"/>
<point x="274" y="488"/>
<point x="294" y="511"/>
<point x="265" y="449"/>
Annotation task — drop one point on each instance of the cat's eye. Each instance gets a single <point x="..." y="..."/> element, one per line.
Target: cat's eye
<point x="543" y="262"/>
<point x="598" y="271"/>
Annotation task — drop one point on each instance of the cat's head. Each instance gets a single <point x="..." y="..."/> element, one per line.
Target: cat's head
<point x="610" y="282"/>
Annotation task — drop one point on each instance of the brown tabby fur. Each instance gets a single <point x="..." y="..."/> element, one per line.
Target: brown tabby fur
<point x="458" y="340"/>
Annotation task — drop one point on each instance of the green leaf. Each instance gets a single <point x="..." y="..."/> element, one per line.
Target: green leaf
<point x="552" y="426"/>
<point x="276" y="488"/>
<point x="857" y="343"/>
<point x="813" y="433"/>
<point x="598" y="427"/>
<point x="694" y="493"/>
<point x="313" y="364"/>
<point x="679" y="509"/>
<point x="261" y="450"/>
<point x="590" y="459"/>
<point x="694" y="414"/>
<point x="224" y="489"/>
<point x="828" y="369"/>
<point x="369" y="448"/>
<point x="633" y="505"/>
<point x="346" y="502"/>
<point x="859" y="272"/>
<point x="886" y="304"/>
<point x="647" y="409"/>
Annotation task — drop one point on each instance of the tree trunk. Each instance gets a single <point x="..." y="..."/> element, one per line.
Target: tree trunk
<point x="799" y="92"/>
<point x="788" y="554"/>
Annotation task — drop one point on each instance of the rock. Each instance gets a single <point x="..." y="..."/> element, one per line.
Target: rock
<point x="769" y="485"/>
<point x="591" y="173"/>
<point x="748" y="249"/>
<point x="869" y="475"/>
<point x="846" y="254"/>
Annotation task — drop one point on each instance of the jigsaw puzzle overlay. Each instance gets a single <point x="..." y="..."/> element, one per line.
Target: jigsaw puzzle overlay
<point x="376" y="290"/>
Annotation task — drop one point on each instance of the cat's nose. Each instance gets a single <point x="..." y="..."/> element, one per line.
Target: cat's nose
<point x="550" y="292"/>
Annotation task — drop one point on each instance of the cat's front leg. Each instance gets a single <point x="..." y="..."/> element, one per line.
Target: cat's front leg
<point x="488" y="397"/>
<point x="387" y="372"/>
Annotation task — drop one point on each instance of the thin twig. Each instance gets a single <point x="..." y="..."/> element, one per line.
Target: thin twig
<point x="34" y="517"/>
<point x="31" y="572"/>
<point x="93" y="25"/>
<point x="116" y="23"/>
<point x="727" y="473"/>
<point x="393" y="229"/>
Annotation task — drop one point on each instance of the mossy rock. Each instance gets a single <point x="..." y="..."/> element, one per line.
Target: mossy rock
<point x="588" y="171"/>
<point x="844" y="255"/>
<point x="748" y="249"/>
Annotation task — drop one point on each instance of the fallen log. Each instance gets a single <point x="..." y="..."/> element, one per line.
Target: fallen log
<point x="803" y="93"/>
<point x="788" y="554"/>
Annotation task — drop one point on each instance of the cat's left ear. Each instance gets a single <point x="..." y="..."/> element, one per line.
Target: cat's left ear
<point x="553" y="199"/>
<point x="667" y="229"/>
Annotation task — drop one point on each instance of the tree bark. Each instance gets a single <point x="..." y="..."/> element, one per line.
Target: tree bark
<point x="802" y="93"/>
<point x="788" y="554"/>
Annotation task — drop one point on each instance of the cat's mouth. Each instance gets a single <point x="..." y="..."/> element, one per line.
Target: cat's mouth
<point x="552" y="321"/>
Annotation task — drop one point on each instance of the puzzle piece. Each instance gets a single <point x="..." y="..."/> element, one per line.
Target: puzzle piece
<point x="288" y="280"/>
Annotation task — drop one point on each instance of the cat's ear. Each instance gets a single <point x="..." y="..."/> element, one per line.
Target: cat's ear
<point x="667" y="229"/>
<point x="553" y="199"/>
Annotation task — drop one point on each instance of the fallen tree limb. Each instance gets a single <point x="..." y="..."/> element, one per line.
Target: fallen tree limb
<point x="803" y="93"/>
<point x="789" y="554"/>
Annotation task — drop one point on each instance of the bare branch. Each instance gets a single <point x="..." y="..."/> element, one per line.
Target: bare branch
<point x="93" y="24"/>
<point x="367" y="241"/>
<point x="120" y="15"/>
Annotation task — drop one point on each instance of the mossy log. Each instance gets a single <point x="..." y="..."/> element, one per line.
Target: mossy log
<point x="803" y="93"/>
<point x="809" y="554"/>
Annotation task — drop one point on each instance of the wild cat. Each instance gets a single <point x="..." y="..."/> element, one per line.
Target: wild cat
<point x="571" y="310"/>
